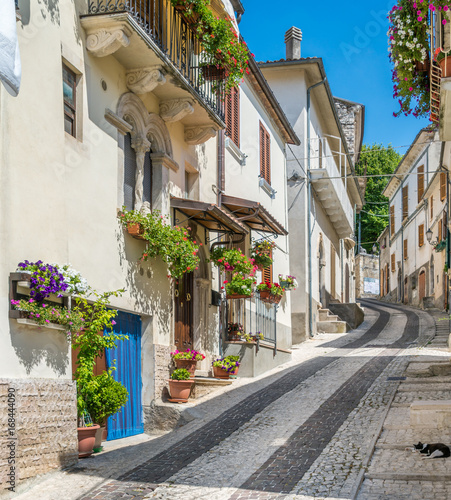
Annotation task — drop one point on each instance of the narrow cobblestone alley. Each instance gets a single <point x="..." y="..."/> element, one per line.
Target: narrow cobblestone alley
<point x="306" y="431"/>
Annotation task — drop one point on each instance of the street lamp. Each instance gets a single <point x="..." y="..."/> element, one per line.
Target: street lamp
<point x="429" y="235"/>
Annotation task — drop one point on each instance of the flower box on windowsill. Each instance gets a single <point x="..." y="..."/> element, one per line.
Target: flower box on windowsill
<point x="53" y="297"/>
<point x="233" y="296"/>
<point x="22" y="319"/>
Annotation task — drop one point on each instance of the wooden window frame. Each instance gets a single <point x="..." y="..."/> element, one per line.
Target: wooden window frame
<point x="265" y="154"/>
<point x="72" y="116"/>
<point x="421" y="235"/>
<point x="232" y="116"/>
<point x="420" y="180"/>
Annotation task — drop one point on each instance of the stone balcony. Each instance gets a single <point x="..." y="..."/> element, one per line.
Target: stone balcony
<point x="161" y="54"/>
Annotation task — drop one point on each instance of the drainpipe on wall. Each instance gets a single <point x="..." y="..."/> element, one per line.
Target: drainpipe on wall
<point x="309" y="202"/>
<point x="221" y="172"/>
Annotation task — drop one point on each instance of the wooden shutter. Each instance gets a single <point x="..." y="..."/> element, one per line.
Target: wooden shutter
<point x="440" y="233"/>
<point x="392" y="220"/>
<point x="267" y="272"/>
<point x="265" y="154"/>
<point x="432" y="206"/>
<point x="393" y="262"/>
<point x="420" y="182"/>
<point x="445" y="226"/>
<point x="421" y="235"/>
<point x="405" y="202"/>
<point x="232" y="115"/>
<point x="405" y="250"/>
<point x="443" y="177"/>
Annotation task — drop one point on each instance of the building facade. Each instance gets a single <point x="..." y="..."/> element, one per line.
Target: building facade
<point x="114" y="116"/>
<point x="414" y="247"/>
<point x="323" y="193"/>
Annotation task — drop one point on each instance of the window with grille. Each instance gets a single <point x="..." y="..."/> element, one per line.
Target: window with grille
<point x="421" y="235"/>
<point x="69" y="96"/>
<point x="405" y="202"/>
<point x="130" y="173"/>
<point x="232" y="116"/>
<point x="265" y="154"/>
<point x="392" y="220"/>
<point x="443" y="177"/>
<point x="420" y="182"/>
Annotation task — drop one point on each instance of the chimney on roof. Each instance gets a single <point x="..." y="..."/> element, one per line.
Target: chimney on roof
<point x="293" y="38"/>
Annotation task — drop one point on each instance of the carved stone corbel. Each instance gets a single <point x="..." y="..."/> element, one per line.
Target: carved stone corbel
<point x="103" y="43"/>
<point x="199" y="134"/>
<point x="176" y="109"/>
<point x="143" y="80"/>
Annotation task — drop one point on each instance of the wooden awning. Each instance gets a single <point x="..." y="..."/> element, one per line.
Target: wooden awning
<point x="208" y="215"/>
<point x="254" y="215"/>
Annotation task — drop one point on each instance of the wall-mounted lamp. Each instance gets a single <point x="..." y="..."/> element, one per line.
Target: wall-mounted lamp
<point x="429" y="235"/>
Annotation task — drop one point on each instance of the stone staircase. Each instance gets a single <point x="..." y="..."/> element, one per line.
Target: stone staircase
<point x="442" y="330"/>
<point x="330" y="323"/>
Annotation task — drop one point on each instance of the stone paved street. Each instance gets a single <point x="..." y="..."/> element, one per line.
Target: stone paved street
<point x="307" y="430"/>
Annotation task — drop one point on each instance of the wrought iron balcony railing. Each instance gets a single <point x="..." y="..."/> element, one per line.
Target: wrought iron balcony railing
<point x="176" y="39"/>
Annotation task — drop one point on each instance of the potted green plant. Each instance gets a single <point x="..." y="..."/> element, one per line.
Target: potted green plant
<point x="231" y="260"/>
<point x="224" y="367"/>
<point x="172" y="244"/>
<point x="86" y="433"/>
<point x="97" y="317"/>
<point x="187" y="359"/>
<point x="239" y="286"/>
<point x="235" y="331"/>
<point x="288" y="282"/>
<point x="106" y="397"/>
<point x="270" y="292"/>
<point x="180" y="385"/>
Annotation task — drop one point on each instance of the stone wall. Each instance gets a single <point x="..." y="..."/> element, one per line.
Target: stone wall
<point x="366" y="266"/>
<point x="38" y="428"/>
<point x="350" y="115"/>
<point x="162" y="369"/>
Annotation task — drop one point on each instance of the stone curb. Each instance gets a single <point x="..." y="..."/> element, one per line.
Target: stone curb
<point x="367" y="459"/>
<point x="393" y="476"/>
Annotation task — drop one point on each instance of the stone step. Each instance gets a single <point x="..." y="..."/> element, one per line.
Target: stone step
<point x="326" y="315"/>
<point x="332" y="326"/>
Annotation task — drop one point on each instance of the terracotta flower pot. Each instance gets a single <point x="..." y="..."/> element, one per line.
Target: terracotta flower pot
<point x="235" y="372"/>
<point x="234" y="336"/>
<point x="233" y="296"/>
<point x="188" y="364"/>
<point x="135" y="230"/>
<point x="86" y="440"/>
<point x="218" y="372"/>
<point x="99" y="439"/>
<point x="265" y="295"/>
<point x="445" y="64"/>
<point x="180" y="390"/>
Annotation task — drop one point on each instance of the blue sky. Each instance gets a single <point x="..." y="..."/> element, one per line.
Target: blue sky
<point x="351" y="38"/>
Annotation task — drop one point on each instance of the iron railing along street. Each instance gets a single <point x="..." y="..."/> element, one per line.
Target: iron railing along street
<point x="175" y="37"/>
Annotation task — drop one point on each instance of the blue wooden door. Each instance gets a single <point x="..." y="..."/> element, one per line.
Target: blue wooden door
<point x="129" y="421"/>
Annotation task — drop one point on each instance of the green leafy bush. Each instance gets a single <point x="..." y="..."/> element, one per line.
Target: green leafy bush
<point x="180" y="374"/>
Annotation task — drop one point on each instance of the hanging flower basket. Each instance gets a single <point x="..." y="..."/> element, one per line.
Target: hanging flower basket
<point x="187" y="13"/>
<point x="423" y="66"/>
<point x="270" y="298"/>
<point x="211" y="72"/>
<point x="135" y="230"/>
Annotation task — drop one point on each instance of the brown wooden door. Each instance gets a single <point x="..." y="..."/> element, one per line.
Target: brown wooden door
<point x="183" y="303"/>
<point x="422" y="286"/>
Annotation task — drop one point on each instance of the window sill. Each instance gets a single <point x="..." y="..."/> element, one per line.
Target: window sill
<point x="267" y="188"/>
<point x="235" y="151"/>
